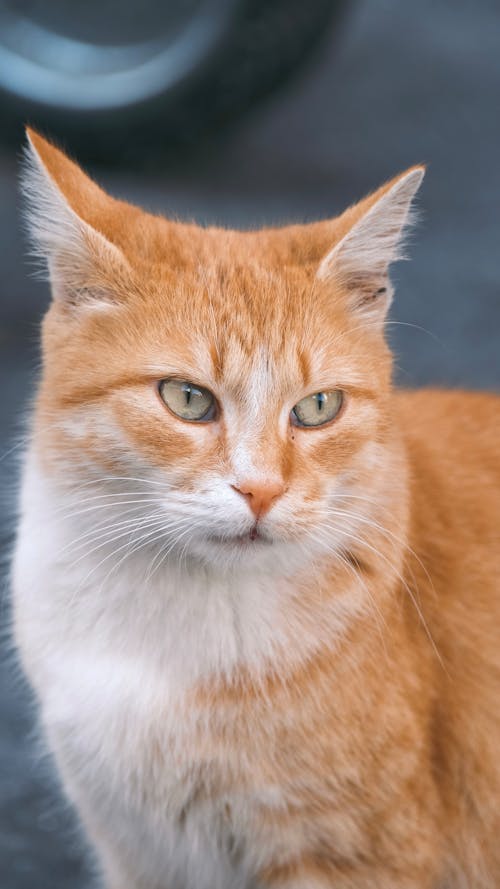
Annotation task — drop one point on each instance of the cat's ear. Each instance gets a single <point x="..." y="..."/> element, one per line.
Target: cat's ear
<point x="371" y="238"/>
<point x="61" y="199"/>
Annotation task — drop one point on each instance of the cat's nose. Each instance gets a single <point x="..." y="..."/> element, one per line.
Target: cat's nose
<point x="260" y="496"/>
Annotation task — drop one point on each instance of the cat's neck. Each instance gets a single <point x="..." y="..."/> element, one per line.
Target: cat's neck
<point x="190" y="620"/>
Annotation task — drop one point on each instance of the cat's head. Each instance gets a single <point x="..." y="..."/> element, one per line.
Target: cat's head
<point x="224" y="393"/>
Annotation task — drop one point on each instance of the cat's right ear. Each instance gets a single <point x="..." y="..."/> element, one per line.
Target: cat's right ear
<point x="62" y="206"/>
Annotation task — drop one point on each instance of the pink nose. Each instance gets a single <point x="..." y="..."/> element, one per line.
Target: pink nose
<point x="260" y="496"/>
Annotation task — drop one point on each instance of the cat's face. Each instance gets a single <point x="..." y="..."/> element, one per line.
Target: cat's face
<point x="217" y="395"/>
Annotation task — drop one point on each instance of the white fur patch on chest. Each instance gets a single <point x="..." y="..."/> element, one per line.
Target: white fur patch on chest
<point x="128" y="743"/>
<point x="114" y="652"/>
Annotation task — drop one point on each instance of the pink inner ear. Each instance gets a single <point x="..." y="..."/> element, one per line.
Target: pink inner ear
<point x="372" y="296"/>
<point x="379" y="292"/>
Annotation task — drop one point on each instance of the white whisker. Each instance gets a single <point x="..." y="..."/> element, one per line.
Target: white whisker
<point x="365" y="544"/>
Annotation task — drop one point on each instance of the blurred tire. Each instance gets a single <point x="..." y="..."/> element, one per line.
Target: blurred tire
<point x="117" y="77"/>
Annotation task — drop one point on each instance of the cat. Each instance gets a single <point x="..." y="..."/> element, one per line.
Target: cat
<point x="255" y="588"/>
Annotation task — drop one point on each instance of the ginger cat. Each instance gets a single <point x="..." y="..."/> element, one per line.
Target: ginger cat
<point x="256" y="589"/>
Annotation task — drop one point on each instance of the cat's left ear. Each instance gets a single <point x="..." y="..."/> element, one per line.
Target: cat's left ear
<point x="68" y="219"/>
<point x="371" y="238"/>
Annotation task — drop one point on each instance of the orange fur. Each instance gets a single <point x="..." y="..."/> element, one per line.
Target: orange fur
<point x="383" y="742"/>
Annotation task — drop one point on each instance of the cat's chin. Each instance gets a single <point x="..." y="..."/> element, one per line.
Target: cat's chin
<point x="251" y="540"/>
<point x="250" y="551"/>
<point x="250" y="548"/>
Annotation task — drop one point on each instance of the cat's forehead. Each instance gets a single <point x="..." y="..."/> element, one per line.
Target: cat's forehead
<point x="251" y="332"/>
<point x="253" y="282"/>
<point x="215" y="298"/>
<point x="238" y="312"/>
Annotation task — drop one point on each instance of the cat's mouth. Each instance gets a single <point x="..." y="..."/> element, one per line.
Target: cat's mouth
<point x="253" y="537"/>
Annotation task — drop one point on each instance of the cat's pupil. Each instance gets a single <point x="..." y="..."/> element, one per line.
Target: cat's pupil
<point x="187" y="393"/>
<point x="320" y="400"/>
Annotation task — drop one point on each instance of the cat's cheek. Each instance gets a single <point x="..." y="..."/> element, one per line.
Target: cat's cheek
<point x="338" y="446"/>
<point x="149" y="432"/>
<point x="78" y="437"/>
<point x="332" y="456"/>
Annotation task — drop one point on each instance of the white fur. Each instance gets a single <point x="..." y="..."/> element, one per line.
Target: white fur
<point x="249" y="462"/>
<point x="114" y="652"/>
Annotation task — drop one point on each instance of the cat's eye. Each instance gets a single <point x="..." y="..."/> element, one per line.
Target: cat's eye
<point x="187" y="400"/>
<point x="317" y="409"/>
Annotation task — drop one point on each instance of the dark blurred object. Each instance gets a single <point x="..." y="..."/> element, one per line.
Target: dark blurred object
<point x="105" y="75"/>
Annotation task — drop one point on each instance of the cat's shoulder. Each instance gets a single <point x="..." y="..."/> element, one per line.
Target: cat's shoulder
<point x="445" y="408"/>
<point x="454" y="424"/>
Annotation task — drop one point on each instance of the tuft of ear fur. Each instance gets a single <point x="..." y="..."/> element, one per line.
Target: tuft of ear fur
<point x="80" y="259"/>
<point x="360" y="261"/>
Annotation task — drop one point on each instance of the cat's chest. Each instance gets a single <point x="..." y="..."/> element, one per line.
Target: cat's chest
<point x="126" y="717"/>
<point x="116" y="656"/>
<point x="121" y="674"/>
<point x="145" y="754"/>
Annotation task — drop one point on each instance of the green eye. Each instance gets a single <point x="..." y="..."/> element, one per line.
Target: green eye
<point x="188" y="401"/>
<point x="317" y="409"/>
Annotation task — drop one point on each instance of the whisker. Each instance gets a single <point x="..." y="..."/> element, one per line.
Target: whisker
<point x="99" y="480"/>
<point x="364" y="543"/>
<point x="110" y="504"/>
<point x="143" y="523"/>
<point x="388" y="533"/>
<point x="164" y="555"/>
<point x="151" y="537"/>
<point x="379" y="617"/>
<point x="154" y="528"/>
<point x="106" y="529"/>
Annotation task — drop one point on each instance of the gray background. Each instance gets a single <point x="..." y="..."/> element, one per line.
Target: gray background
<point x="402" y="82"/>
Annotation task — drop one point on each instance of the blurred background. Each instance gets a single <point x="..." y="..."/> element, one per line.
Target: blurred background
<point x="244" y="112"/>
